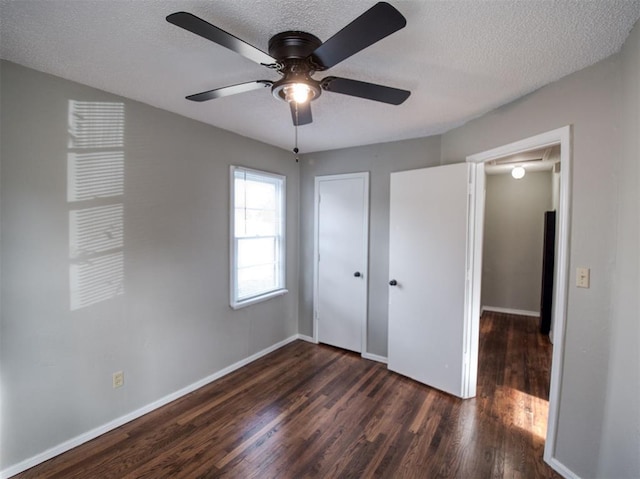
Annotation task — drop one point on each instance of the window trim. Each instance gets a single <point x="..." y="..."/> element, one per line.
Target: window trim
<point x="233" y="254"/>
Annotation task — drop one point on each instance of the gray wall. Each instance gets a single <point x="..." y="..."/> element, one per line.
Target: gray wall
<point x="620" y="453"/>
<point x="599" y="392"/>
<point x="380" y="160"/>
<point x="513" y="240"/>
<point x="171" y="324"/>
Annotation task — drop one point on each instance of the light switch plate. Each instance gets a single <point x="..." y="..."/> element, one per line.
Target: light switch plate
<point x="118" y="379"/>
<point x="582" y="277"/>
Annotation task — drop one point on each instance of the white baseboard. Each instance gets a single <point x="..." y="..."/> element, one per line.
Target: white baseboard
<point x="374" y="357"/>
<point x="519" y="312"/>
<point x="92" y="434"/>
<point x="306" y="338"/>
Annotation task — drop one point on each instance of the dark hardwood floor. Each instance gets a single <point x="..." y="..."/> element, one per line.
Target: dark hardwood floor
<point x="316" y="411"/>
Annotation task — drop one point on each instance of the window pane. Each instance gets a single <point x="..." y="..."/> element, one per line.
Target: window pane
<point x="256" y="223"/>
<point x="239" y="194"/>
<point x="256" y="280"/>
<point x="258" y="203"/>
<point x="256" y="251"/>
<point x="260" y="195"/>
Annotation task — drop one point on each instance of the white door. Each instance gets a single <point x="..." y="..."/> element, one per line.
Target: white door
<point x="427" y="261"/>
<point x="342" y="210"/>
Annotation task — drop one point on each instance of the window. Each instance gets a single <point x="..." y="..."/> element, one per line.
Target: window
<point x="257" y="236"/>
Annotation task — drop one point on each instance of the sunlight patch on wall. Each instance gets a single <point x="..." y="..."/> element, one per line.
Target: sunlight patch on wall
<point x="95" y="124"/>
<point x="95" y="175"/>
<point x="97" y="279"/>
<point x="95" y="230"/>
<point x="95" y="187"/>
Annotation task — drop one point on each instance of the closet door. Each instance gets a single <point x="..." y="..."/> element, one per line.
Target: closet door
<point x="342" y="210"/>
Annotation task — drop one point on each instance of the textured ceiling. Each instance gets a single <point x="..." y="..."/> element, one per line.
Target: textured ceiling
<point x="460" y="59"/>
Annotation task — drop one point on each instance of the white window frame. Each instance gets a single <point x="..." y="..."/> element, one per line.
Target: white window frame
<point x="234" y="301"/>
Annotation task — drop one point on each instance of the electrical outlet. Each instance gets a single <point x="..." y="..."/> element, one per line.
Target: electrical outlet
<point x="582" y="277"/>
<point x="118" y="379"/>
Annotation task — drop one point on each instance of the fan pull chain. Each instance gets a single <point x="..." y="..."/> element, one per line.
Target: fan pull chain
<point x="295" y="149"/>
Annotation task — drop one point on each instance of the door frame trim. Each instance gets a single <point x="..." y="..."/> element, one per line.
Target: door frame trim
<point x="563" y="137"/>
<point x="365" y="247"/>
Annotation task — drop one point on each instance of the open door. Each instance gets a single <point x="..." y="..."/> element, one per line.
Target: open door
<point x="428" y="275"/>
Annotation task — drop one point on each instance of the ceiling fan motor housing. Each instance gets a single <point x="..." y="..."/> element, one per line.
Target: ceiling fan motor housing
<point x="292" y="44"/>
<point x="292" y="49"/>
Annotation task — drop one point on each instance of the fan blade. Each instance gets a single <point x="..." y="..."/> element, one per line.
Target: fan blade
<point x="303" y="114"/>
<point x="230" y="90"/>
<point x="369" y="91"/>
<point x="373" y="25"/>
<point x="198" y="26"/>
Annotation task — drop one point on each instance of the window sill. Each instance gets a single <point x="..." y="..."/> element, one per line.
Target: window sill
<point x="258" y="299"/>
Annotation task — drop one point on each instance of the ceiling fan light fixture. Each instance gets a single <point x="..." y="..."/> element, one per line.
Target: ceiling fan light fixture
<point x="296" y="88"/>
<point x="297" y="92"/>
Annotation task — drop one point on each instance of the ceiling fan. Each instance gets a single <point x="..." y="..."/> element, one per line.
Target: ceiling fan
<point x="298" y="55"/>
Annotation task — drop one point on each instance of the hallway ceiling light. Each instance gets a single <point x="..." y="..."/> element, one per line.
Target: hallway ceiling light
<point x="518" y="172"/>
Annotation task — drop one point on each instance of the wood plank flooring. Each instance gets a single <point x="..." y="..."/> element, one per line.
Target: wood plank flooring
<point x="315" y="411"/>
